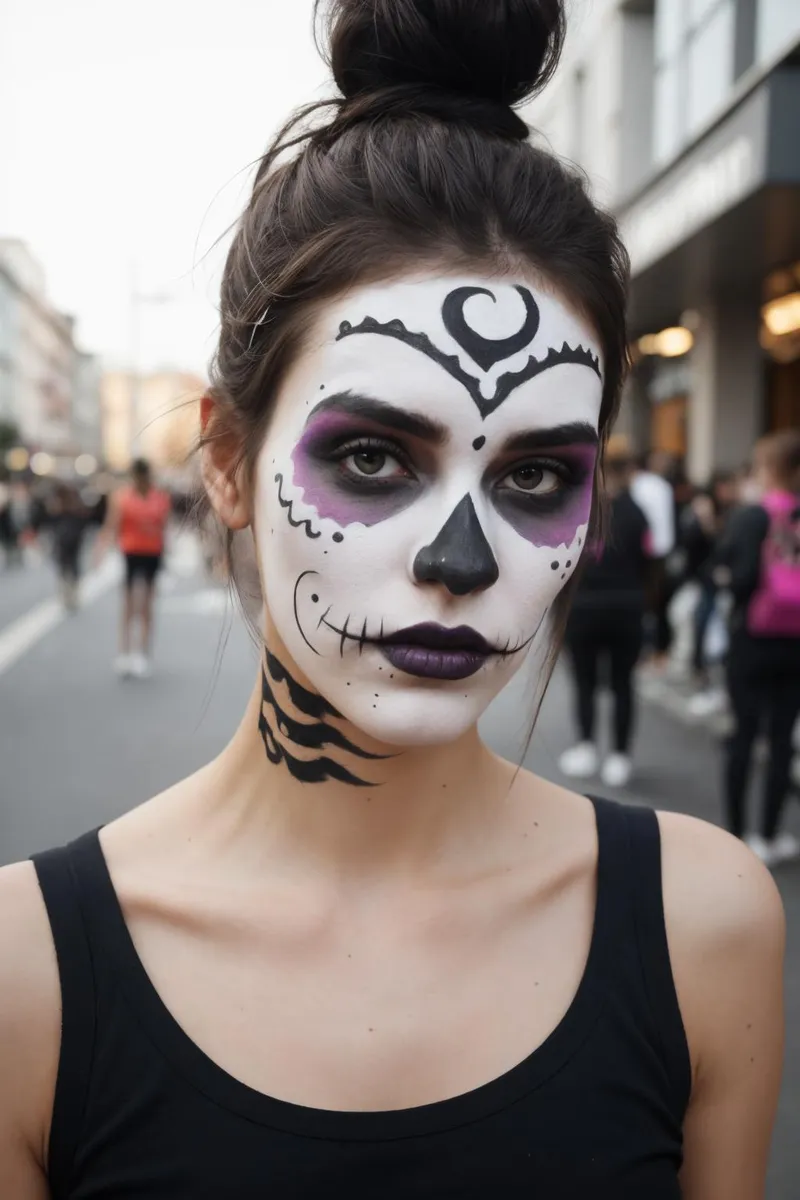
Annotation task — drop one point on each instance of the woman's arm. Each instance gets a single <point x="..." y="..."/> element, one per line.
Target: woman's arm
<point x="725" y="926"/>
<point x="109" y="530"/>
<point x="739" y="551"/>
<point x="29" y="1034"/>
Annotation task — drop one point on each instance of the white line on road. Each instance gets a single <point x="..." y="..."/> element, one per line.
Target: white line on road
<point x="25" y="632"/>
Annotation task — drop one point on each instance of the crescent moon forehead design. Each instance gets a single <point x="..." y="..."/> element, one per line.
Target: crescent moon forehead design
<point x="487" y="351"/>
<point x="484" y="352"/>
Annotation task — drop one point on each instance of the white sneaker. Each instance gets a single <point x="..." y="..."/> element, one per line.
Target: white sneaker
<point x="580" y="762"/>
<point x="708" y="703"/>
<point x="761" y="848"/>
<point x="616" y="771"/>
<point x="140" y="666"/>
<point x="784" y="847"/>
<point x="123" y="665"/>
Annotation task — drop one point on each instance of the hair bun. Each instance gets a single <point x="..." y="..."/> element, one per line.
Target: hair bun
<point x="498" y="50"/>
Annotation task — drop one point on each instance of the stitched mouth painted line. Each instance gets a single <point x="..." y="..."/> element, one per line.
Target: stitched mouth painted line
<point x="428" y="636"/>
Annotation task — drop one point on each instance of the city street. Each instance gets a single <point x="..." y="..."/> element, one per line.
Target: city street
<point x="78" y="747"/>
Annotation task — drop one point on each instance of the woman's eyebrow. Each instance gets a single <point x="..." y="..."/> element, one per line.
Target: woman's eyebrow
<point x="358" y="405"/>
<point x="576" y="433"/>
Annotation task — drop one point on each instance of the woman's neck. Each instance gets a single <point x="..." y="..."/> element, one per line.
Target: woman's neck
<point x="342" y="804"/>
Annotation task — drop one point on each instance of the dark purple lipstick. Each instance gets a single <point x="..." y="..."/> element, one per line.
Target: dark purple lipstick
<point x="435" y="652"/>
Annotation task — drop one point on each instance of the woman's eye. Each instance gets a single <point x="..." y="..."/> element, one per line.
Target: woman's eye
<point x="375" y="464"/>
<point x="533" y="479"/>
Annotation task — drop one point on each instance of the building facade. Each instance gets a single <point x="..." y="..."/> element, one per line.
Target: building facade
<point x="154" y="416"/>
<point x="49" y="389"/>
<point x="685" y="114"/>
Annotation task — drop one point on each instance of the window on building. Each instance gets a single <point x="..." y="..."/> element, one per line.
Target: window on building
<point x="694" y="62"/>
<point x="710" y="66"/>
<point x="777" y="27"/>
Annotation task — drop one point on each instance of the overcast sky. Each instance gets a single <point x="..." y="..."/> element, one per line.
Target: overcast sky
<point x="126" y="134"/>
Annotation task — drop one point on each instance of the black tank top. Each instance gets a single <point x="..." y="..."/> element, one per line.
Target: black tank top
<point x="141" y="1112"/>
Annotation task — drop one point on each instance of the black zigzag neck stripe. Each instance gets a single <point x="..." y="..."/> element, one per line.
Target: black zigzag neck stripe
<point x="309" y="736"/>
<point x="311" y="704"/>
<point x="314" y="770"/>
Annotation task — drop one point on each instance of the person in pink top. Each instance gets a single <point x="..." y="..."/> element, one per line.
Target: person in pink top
<point x="137" y="521"/>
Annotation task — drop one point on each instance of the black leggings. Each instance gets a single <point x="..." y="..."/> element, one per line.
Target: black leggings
<point x="615" y="636"/>
<point x="764" y="688"/>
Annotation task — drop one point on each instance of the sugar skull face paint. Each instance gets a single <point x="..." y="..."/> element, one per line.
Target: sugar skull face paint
<point x="424" y="492"/>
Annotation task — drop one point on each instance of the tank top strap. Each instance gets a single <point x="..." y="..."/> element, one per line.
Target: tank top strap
<point x="641" y="970"/>
<point x="55" y="871"/>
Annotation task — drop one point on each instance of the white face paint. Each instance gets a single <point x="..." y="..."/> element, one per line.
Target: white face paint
<point x="429" y="464"/>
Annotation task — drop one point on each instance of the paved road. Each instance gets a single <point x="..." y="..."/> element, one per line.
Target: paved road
<point x="77" y="747"/>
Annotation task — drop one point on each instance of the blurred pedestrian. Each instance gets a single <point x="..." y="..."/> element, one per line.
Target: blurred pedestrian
<point x="68" y="524"/>
<point x="655" y="496"/>
<point x="605" y="628"/>
<point x="702" y="524"/>
<point x="9" y="529"/>
<point x="137" y="520"/>
<point x="759" y="562"/>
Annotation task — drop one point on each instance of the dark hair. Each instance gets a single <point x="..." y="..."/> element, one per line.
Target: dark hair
<point x="780" y="453"/>
<point x="140" y="467"/>
<point x="423" y="162"/>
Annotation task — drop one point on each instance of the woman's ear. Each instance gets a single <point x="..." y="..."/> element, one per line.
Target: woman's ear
<point x="221" y="469"/>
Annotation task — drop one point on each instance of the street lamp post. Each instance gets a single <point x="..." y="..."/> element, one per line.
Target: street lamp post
<point x="138" y="300"/>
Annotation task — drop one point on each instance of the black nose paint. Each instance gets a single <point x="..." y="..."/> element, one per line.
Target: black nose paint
<point x="460" y="557"/>
<point x="485" y="351"/>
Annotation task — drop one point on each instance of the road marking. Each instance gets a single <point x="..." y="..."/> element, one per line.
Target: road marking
<point x="18" y="637"/>
<point x="210" y="603"/>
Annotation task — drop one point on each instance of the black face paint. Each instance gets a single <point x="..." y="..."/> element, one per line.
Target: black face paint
<point x="507" y="383"/>
<point x="460" y="556"/>
<point x="309" y="735"/>
<point x="310" y="704"/>
<point x="481" y="350"/>
<point x="313" y="735"/>
<point x="287" y="504"/>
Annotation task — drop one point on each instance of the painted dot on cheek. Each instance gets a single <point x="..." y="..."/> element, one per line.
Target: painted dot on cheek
<point x="554" y="566"/>
<point x="569" y="563"/>
<point x="338" y="537"/>
<point x="315" y="599"/>
<point x="479" y="441"/>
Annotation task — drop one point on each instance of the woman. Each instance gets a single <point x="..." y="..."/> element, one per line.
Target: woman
<point x="137" y="520"/>
<point x="759" y="561"/>
<point x="69" y="523"/>
<point x="359" y="954"/>
<point x="604" y="630"/>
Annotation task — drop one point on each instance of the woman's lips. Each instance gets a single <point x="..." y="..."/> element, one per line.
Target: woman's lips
<point x="434" y="652"/>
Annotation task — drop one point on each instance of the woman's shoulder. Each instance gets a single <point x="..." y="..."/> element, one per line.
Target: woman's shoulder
<point x="713" y="884"/>
<point x="30" y="1010"/>
<point x="725" y="928"/>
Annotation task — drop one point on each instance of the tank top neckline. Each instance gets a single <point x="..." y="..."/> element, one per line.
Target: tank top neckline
<point x="104" y="914"/>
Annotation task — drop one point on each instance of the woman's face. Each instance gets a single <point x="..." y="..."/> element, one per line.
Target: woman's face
<point x="423" y="494"/>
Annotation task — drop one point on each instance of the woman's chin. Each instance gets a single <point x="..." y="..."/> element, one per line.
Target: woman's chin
<point x="415" y="716"/>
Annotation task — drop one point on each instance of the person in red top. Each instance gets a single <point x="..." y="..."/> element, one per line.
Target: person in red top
<point x="137" y="520"/>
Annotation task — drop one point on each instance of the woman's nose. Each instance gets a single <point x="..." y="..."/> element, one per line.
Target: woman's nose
<point x="459" y="557"/>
